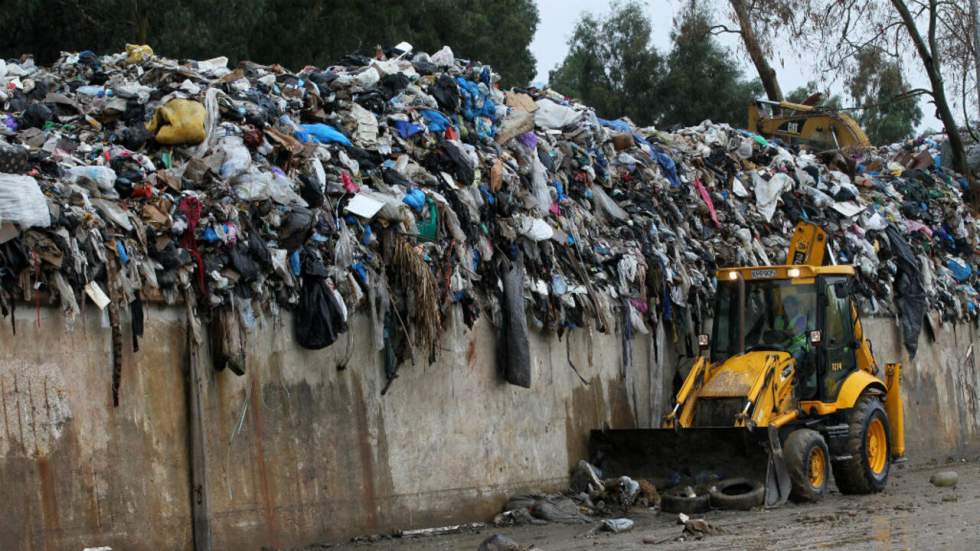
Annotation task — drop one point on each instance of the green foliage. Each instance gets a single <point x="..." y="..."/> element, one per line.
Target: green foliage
<point x="611" y="64"/>
<point x="703" y="80"/>
<point x="879" y="87"/>
<point x="294" y="34"/>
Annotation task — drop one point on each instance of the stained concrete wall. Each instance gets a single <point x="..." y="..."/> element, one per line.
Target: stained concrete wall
<point x="304" y="451"/>
<point x="301" y="451"/>
<point x="76" y="472"/>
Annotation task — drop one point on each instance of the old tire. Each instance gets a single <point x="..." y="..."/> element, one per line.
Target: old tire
<point x="808" y="463"/>
<point x="679" y="503"/>
<point x="739" y="494"/>
<point x="869" y="447"/>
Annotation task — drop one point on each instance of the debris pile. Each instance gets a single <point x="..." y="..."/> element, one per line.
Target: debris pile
<point x="411" y="188"/>
<point x="589" y="496"/>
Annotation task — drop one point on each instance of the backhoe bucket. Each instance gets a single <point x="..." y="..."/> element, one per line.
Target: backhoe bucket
<point x="696" y="457"/>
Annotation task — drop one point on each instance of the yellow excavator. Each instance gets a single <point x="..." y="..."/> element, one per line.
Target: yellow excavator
<point x="785" y="390"/>
<point x="807" y="124"/>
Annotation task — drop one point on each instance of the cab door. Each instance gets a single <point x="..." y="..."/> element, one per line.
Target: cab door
<point x="838" y="344"/>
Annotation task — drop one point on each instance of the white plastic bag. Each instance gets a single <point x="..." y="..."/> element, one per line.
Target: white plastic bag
<point x="22" y="202"/>
<point x="102" y="176"/>
<point x="767" y="192"/>
<point x="259" y="186"/>
<point x="444" y="57"/>
<point x="553" y="115"/>
<point x="237" y="157"/>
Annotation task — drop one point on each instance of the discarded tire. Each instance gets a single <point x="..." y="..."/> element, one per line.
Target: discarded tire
<point x="738" y="494"/>
<point x="808" y="463"/>
<point x="868" y="447"/>
<point x="680" y="503"/>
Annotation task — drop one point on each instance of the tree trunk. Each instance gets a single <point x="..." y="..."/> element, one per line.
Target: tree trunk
<point x="766" y="73"/>
<point x="932" y="68"/>
<point x="975" y="13"/>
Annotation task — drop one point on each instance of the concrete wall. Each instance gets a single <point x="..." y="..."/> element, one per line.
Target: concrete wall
<point x="299" y="451"/>
<point x="302" y="451"/>
<point x="74" y="471"/>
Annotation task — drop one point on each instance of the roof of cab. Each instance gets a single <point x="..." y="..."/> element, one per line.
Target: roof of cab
<point x="782" y="271"/>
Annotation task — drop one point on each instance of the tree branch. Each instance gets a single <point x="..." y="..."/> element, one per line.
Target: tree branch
<point x="722" y="29"/>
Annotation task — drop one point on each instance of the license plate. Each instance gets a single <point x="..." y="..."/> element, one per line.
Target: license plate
<point x="762" y="274"/>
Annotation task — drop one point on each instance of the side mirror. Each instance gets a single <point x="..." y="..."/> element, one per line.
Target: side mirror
<point x="815" y="338"/>
<point x="703" y="342"/>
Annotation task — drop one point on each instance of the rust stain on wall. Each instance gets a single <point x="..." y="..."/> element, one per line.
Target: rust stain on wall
<point x="364" y="448"/>
<point x="49" y="502"/>
<point x="471" y="353"/>
<point x="265" y="483"/>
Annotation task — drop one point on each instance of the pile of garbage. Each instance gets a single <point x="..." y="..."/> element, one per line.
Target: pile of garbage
<point x="410" y="187"/>
<point x="589" y="495"/>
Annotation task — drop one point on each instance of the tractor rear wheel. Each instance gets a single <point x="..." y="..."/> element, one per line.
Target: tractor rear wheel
<point x="808" y="463"/>
<point x="865" y="471"/>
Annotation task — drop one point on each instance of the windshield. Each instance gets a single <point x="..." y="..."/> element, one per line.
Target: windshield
<point x="778" y="316"/>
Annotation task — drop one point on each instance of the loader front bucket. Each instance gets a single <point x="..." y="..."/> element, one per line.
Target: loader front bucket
<point x="694" y="457"/>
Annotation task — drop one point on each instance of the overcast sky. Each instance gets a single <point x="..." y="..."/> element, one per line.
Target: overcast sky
<point x="558" y="18"/>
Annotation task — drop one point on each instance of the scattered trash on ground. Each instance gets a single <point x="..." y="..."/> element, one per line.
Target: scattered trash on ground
<point x="613" y="525"/>
<point x="499" y="542"/>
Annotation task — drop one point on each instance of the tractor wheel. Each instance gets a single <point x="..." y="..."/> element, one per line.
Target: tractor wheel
<point x="808" y="463"/>
<point x="869" y="448"/>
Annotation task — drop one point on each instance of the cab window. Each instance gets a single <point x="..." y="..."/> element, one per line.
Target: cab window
<point x="838" y="337"/>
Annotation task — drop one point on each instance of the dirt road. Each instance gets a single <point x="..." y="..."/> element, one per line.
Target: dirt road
<point x="909" y="514"/>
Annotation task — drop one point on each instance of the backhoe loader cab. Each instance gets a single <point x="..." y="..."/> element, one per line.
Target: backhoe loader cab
<point x="786" y="389"/>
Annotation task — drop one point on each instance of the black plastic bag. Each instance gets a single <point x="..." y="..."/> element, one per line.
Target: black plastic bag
<point x="318" y="319"/>
<point x="446" y="93"/>
<point x="513" y="348"/>
<point x="910" y="295"/>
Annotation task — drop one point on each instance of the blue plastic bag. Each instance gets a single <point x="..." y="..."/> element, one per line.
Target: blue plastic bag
<point x="320" y="133"/>
<point x="406" y="129"/>
<point x="435" y="121"/>
<point x="961" y="270"/>
<point x="415" y="199"/>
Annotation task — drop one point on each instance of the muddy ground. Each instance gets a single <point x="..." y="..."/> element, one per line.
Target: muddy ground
<point x="909" y="514"/>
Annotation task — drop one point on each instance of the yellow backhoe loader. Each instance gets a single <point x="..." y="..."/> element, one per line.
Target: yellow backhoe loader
<point x="786" y="389"/>
<point x="799" y="123"/>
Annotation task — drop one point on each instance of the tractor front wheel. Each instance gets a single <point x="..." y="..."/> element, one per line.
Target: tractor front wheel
<point x="865" y="471"/>
<point x="808" y="463"/>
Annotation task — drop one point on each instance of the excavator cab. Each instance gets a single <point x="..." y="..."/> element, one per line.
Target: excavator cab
<point x="806" y="124"/>
<point x="785" y="390"/>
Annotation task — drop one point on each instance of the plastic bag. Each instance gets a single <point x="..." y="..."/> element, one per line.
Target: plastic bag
<point x="553" y="115"/>
<point x="259" y="186"/>
<point x="320" y="133"/>
<point x="444" y="57"/>
<point x="22" y="202"/>
<point x="102" y="176"/>
<point x="138" y="53"/>
<point x="179" y="121"/>
<point x="237" y="157"/>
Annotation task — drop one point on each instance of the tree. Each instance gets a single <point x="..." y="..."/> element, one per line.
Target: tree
<point x="888" y="112"/>
<point x="748" y="17"/>
<point x="611" y="64"/>
<point x="294" y="34"/>
<point x="931" y="29"/>
<point x="702" y="81"/>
